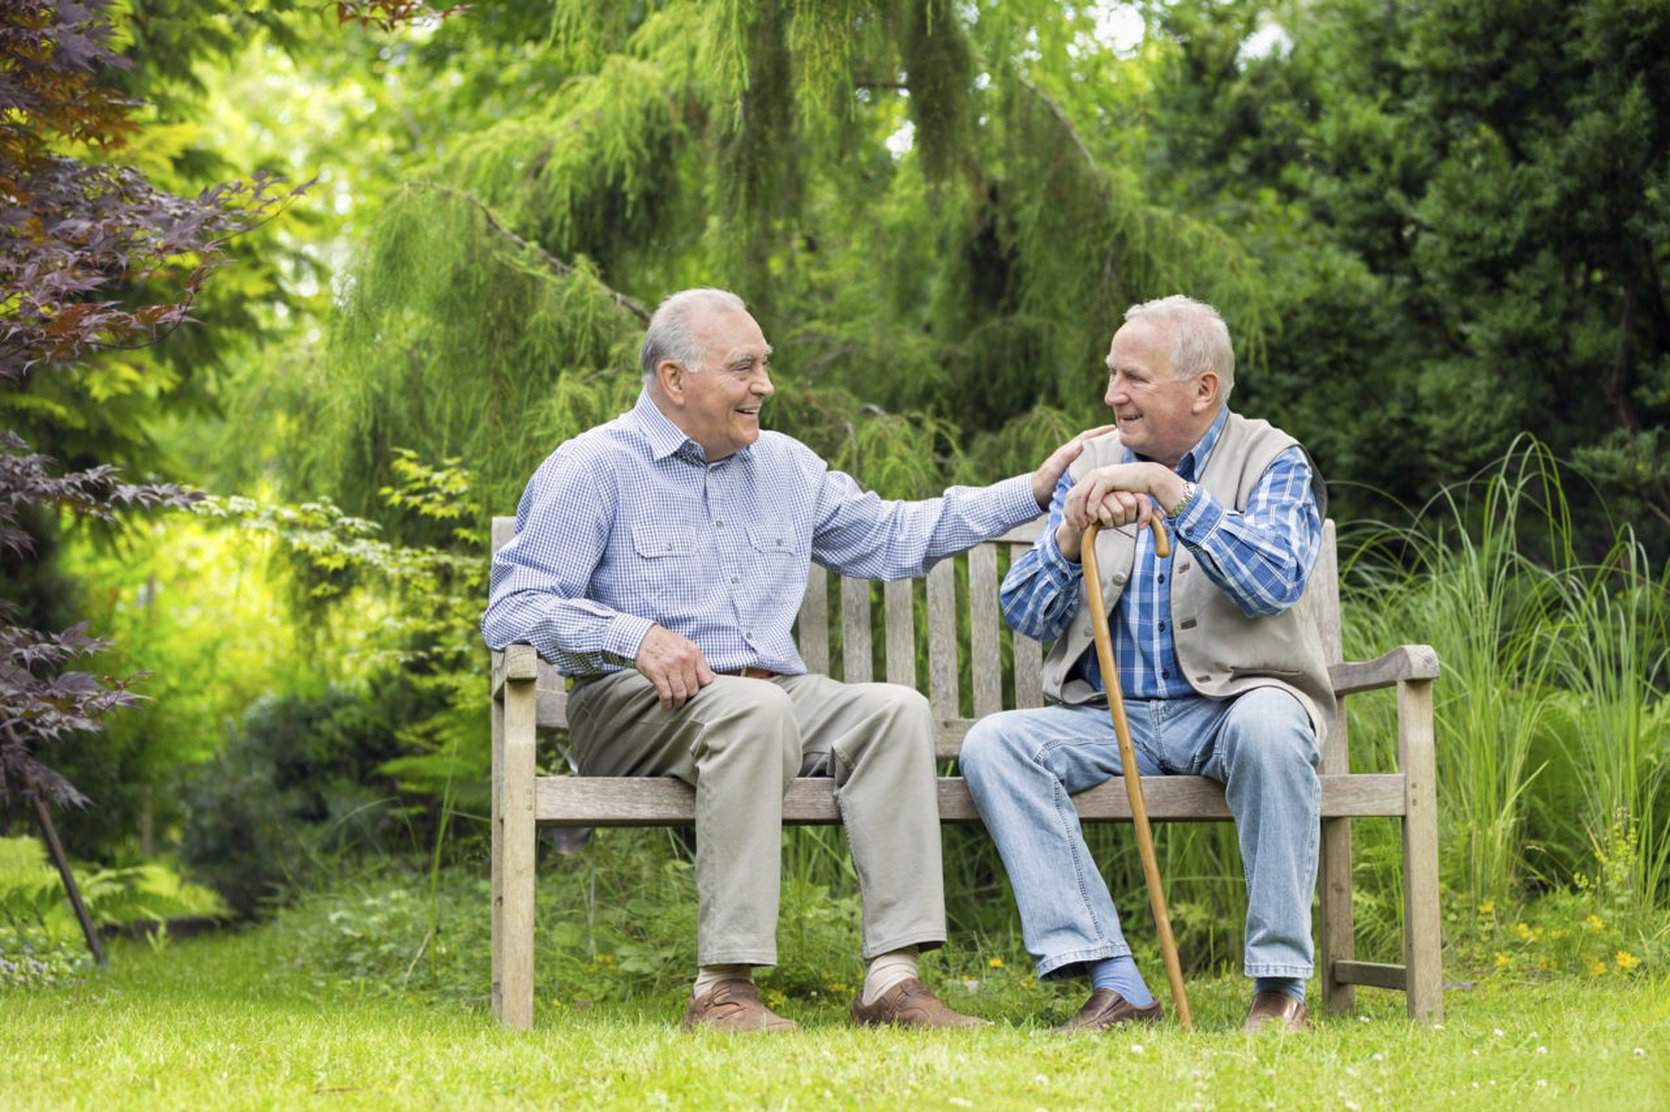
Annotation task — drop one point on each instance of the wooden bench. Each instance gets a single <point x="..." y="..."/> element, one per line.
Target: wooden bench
<point x="528" y="696"/>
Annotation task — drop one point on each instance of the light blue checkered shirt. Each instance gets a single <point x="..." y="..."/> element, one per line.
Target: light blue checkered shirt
<point x="628" y="525"/>
<point x="1261" y="558"/>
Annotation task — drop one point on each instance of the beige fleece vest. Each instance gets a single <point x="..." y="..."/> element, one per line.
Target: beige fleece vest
<point x="1221" y="650"/>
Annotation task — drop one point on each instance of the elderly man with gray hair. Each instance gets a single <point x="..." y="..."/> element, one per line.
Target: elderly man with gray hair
<point x="660" y="559"/>
<point x="1221" y="674"/>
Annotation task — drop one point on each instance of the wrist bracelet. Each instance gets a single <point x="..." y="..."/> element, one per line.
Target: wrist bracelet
<point x="1188" y="496"/>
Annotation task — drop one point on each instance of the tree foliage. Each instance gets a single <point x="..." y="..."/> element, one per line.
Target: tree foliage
<point x="1462" y="207"/>
<point x="85" y="245"/>
<point x="941" y="294"/>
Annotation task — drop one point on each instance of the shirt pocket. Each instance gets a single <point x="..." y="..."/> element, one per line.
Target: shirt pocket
<point x="777" y="571"/>
<point x="772" y="541"/>
<point x="660" y="540"/>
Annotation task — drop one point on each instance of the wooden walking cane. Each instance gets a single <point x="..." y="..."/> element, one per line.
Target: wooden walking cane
<point x="1128" y="760"/>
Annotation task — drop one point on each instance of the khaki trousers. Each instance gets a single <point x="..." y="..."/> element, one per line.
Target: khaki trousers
<point x="739" y="743"/>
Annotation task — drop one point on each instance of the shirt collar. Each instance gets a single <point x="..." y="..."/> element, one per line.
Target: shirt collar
<point x="667" y="439"/>
<point x="1194" y="460"/>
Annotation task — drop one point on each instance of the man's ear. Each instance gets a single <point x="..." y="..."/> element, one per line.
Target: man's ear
<point x="671" y="375"/>
<point x="1205" y="391"/>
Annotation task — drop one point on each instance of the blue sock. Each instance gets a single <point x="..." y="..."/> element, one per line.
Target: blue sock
<point x="1120" y="974"/>
<point x="1293" y="986"/>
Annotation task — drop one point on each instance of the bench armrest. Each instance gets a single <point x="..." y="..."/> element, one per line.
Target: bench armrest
<point x="515" y="662"/>
<point x="1406" y="662"/>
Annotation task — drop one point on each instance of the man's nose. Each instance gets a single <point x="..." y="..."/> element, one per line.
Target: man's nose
<point x="762" y="384"/>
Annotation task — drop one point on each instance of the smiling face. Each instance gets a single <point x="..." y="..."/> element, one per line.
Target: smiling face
<point x="718" y="405"/>
<point x="1160" y="416"/>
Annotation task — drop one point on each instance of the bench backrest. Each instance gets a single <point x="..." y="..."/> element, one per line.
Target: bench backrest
<point x="858" y="630"/>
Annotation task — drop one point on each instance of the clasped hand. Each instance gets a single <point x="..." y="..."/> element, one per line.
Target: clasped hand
<point x="1111" y="496"/>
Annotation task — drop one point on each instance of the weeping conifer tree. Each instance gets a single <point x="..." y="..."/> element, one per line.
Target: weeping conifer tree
<point x="931" y="211"/>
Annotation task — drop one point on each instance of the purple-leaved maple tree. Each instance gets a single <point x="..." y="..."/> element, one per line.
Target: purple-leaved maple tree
<point x="92" y="257"/>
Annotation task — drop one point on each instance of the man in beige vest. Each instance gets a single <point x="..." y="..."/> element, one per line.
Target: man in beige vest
<point x="1219" y="664"/>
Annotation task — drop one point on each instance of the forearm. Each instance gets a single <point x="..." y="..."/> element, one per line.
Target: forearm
<point x="1262" y="557"/>
<point x="578" y="636"/>
<point x="863" y="535"/>
<point x="1041" y="591"/>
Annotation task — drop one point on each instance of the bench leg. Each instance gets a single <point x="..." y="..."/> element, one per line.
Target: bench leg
<point x="513" y="855"/>
<point x="1338" y="925"/>
<point x="1422" y="941"/>
<point x="495" y="829"/>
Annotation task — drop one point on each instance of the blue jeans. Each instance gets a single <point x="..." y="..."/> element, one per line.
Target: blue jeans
<point x="1022" y="765"/>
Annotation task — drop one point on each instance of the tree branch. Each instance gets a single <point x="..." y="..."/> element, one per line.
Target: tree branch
<point x="556" y="264"/>
<point x="1060" y="115"/>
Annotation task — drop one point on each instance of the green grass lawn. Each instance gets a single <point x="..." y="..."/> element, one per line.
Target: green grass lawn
<point x="233" y="1021"/>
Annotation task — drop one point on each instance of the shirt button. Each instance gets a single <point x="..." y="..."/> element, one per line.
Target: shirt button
<point x="1162" y="624"/>
<point x="1165" y="673"/>
<point x="1160" y="579"/>
<point x="735" y="581"/>
<point x="718" y="524"/>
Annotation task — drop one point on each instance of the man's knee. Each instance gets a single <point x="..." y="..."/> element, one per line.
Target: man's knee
<point x="988" y="747"/>
<point x="747" y="729"/>
<point x="1273" y="734"/>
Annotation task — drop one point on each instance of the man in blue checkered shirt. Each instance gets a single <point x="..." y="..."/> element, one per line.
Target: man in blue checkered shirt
<point x="660" y="560"/>
<point x="1220" y="664"/>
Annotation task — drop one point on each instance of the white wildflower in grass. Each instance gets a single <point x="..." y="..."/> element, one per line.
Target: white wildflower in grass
<point x="962" y="1103"/>
<point x="1136" y="1048"/>
<point x="1041" y="1079"/>
<point x="1377" y="1057"/>
<point x="1639" y="1053"/>
<point x="1542" y="1082"/>
<point x="1542" y="1050"/>
<point x="1497" y="1031"/>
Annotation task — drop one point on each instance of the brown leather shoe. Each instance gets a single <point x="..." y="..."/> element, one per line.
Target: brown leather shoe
<point x="909" y="1004"/>
<point x="734" y="1005"/>
<point x="1279" y="1010"/>
<point x="1106" y="1009"/>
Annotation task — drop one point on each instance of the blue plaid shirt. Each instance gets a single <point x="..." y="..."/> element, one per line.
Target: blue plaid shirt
<point x="1260" y="558"/>
<point x="628" y="525"/>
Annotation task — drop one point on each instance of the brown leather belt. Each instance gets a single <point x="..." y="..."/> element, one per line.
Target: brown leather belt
<point x="751" y="673"/>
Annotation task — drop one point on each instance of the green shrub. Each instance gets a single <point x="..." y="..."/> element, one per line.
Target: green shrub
<point x="41" y="944"/>
<point x="302" y="784"/>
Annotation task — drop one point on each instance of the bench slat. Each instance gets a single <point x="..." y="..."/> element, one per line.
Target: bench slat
<point x="983" y="620"/>
<point x="814" y="620"/>
<point x="1028" y="654"/>
<point x="664" y="801"/>
<point x="900" y="602"/>
<point x="942" y="631"/>
<point x="855" y="630"/>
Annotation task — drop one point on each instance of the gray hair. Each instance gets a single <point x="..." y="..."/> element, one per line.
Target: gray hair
<point x="1201" y="338"/>
<point x="670" y="337"/>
